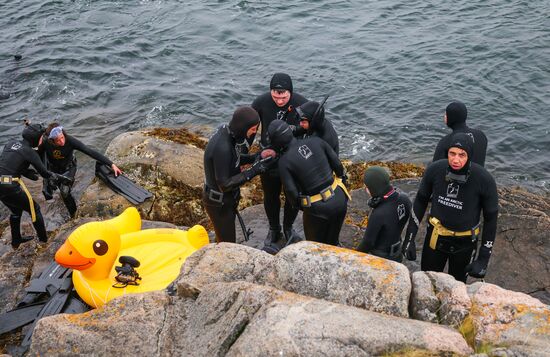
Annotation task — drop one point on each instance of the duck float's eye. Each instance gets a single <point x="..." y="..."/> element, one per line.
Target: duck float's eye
<point x="100" y="247"/>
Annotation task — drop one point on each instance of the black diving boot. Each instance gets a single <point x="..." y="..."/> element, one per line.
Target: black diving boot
<point x="271" y="245"/>
<point x="292" y="236"/>
<point x="15" y="226"/>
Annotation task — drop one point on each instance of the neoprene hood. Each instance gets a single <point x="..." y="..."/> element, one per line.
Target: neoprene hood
<point x="307" y="110"/>
<point x="243" y="119"/>
<point x="377" y="181"/>
<point x="32" y="133"/>
<point x="456" y="114"/>
<point x="279" y="134"/>
<point x="462" y="141"/>
<point x="281" y="81"/>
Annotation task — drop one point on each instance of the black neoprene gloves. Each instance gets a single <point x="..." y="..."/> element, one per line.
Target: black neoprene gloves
<point x="478" y="268"/>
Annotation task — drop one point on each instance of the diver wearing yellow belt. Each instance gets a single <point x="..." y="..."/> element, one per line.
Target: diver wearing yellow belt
<point x="15" y="159"/>
<point x="306" y="168"/>
<point x="459" y="190"/>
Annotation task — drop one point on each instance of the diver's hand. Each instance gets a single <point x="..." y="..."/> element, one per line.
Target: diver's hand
<point x="478" y="268"/>
<point x="345" y="178"/>
<point x="268" y="153"/>
<point x="58" y="179"/>
<point x="259" y="167"/>
<point x="409" y="248"/>
<point x="116" y="170"/>
<point x="31" y="174"/>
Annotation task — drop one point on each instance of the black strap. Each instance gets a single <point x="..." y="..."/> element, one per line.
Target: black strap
<point x="246" y="232"/>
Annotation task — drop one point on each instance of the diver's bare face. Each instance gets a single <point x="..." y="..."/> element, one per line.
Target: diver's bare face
<point x="60" y="140"/>
<point x="457" y="158"/>
<point x="280" y="97"/>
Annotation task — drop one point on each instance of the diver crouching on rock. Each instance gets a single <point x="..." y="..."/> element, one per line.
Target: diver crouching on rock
<point x="458" y="190"/>
<point x="225" y="153"/>
<point x="15" y="159"/>
<point x="59" y="148"/>
<point x="390" y="212"/>
<point x="307" y="169"/>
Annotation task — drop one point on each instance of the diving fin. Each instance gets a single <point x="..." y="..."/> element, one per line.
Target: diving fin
<point x="122" y="184"/>
<point x="53" y="306"/>
<point x="52" y="272"/>
<point x="19" y="317"/>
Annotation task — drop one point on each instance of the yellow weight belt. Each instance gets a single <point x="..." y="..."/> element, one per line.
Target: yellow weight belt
<point x="9" y="179"/>
<point x="325" y="194"/>
<point x="440" y="230"/>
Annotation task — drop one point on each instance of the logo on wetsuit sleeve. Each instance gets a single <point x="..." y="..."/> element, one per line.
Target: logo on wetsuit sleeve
<point x="488" y="244"/>
<point x="16" y="146"/>
<point x="281" y="114"/>
<point x="471" y="135"/>
<point x="452" y="190"/>
<point x="305" y="152"/>
<point x="401" y="211"/>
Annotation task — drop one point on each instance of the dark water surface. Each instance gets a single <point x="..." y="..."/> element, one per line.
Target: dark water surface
<point x="104" y="67"/>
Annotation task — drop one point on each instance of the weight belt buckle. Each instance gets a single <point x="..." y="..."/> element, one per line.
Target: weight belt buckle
<point x="6" y="179"/>
<point x="307" y="200"/>
<point x="324" y="195"/>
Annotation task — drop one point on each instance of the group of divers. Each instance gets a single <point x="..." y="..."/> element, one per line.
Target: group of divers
<point x="299" y="157"/>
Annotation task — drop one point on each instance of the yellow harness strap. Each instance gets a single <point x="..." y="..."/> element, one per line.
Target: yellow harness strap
<point x="324" y="195"/>
<point x="440" y="230"/>
<point x="9" y="179"/>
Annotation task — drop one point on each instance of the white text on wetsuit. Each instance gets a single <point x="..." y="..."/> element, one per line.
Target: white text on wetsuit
<point x="449" y="202"/>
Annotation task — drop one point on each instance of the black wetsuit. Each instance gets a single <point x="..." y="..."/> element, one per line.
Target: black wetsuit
<point x="306" y="168"/>
<point x="458" y="206"/>
<point x="14" y="161"/>
<point x="271" y="182"/>
<point x="386" y="222"/>
<point x="61" y="160"/>
<point x="478" y="137"/>
<point x="222" y="171"/>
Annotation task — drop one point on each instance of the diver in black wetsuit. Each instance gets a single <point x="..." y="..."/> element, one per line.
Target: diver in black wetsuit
<point x="458" y="190"/>
<point x="316" y="124"/>
<point x="58" y="148"/>
<point x="455" y="118"/>
<point x="278" y="103"/>
<point x="390" y="212"/>
<point x="225" y="153"/>
<point x="306" y="168"/>
<point x="14" y="162"/>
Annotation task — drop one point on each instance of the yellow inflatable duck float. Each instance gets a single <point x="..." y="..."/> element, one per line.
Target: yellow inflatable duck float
<point x="94" y="249"/>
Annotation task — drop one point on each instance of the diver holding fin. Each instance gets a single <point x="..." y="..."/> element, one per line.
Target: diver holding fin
<point x="58" y="148"/>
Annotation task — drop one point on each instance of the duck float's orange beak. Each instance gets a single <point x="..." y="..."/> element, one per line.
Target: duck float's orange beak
<point x="68" y="257"/>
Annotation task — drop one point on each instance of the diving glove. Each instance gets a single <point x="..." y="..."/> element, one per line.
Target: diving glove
<point x="31" y="174"/>
<point x="478" y="268"/>
<point x="409" y="248"/>
<point x="58" y="179"/>
<point x="259" y="167"/>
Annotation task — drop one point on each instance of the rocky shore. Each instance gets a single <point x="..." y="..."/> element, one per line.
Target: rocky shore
<point x="310" y="299"/>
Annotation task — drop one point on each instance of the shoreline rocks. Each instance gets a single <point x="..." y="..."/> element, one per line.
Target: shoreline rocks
<point x="310" y="298"/>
